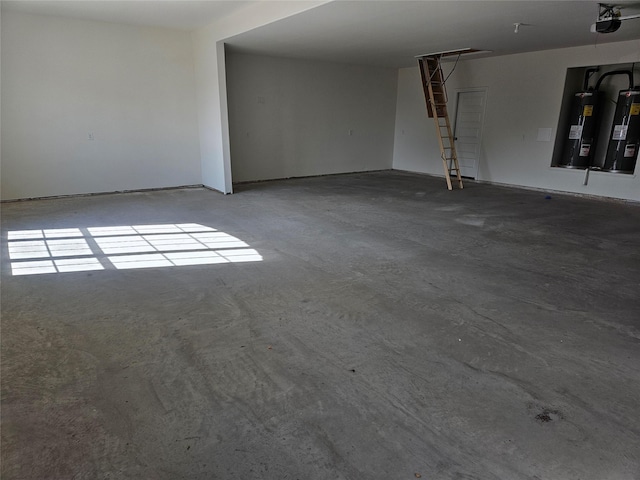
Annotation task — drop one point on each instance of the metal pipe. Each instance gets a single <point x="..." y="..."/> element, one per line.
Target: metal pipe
<point x="587" y="77"/>
<point x="629" y="73"/>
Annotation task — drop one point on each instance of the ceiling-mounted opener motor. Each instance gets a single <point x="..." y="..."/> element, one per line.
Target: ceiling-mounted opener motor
<point x="610" y="19"/>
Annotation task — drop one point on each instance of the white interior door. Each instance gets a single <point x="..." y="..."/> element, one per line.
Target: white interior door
<point x="468" y="130"/>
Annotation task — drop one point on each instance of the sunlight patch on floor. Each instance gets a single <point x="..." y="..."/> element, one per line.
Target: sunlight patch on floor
<point x="123" y="247"/>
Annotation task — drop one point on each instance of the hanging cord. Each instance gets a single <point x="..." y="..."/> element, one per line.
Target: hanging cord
<point x="452" y="70"/>
<point x="440" y="68"/>
<point x="434" y="71"/>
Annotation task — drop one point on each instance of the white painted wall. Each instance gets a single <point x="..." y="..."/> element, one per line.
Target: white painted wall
<point x="524" y="94"/>
<point x="0" y="102"/>
<point x="292" y="118"/>
<point x="132" y="87"/>
<point x="208" y="45"/>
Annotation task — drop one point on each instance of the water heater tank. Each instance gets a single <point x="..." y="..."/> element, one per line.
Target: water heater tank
<point x="583" y="119"/>
<point x="624" y="141"/>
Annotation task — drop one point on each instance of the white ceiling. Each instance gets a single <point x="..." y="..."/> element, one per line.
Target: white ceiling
<point x="376" y="32"/>
<point x="179" y="14"/>
<point x="392" y="33"/>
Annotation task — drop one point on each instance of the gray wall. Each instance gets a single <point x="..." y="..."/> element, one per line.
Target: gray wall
<point x="524" y="93"/>
<point x="291" y="118"/>
<point x="133" y="88"/>
<point x="211" y="88"/>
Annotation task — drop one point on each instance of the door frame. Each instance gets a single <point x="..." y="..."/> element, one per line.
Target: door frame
<point x="484" y="113"/>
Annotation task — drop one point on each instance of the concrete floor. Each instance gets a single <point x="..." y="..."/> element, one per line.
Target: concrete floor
<point x="394" y="330"/>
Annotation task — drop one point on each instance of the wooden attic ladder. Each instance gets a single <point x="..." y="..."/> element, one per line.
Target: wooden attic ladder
<point x="435" y="94"/>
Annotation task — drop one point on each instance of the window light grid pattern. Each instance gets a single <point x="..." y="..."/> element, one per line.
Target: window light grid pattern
<point x="123" y="247"/>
